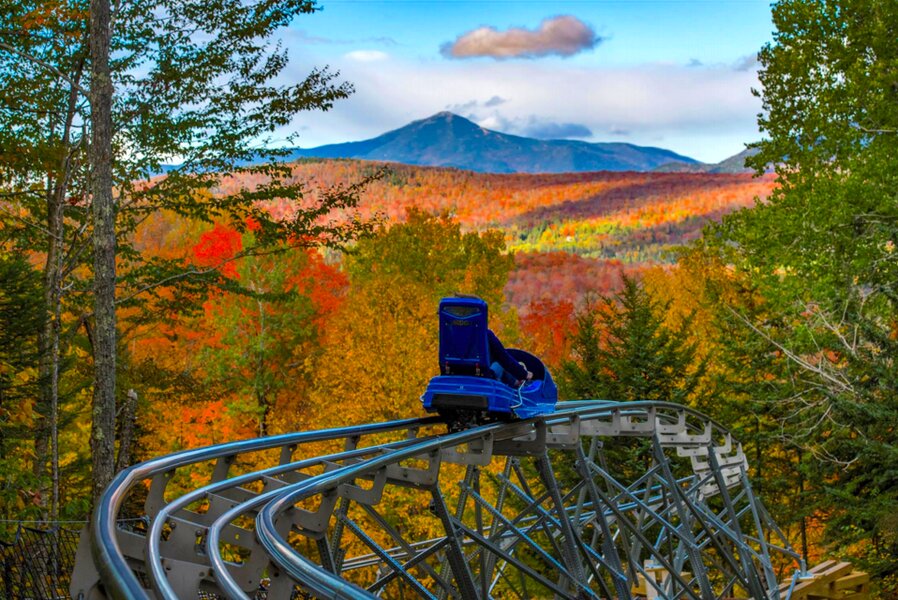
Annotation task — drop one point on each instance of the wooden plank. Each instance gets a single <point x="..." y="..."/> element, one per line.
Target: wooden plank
<point x="834" y="572"/>
<point x="830" y="580"/>
<point x="852" y="580"/>
<point x="822" y="566"/>
<point x="854" y="586"/>
<point x="813" y="571"/>
<point x="819" y="586"/>
<point x="641" y="588"/>
<point x="805" y="586"/>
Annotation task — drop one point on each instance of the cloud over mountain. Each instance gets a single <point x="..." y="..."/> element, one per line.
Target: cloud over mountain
<point x="472" y="108"/>
<point x="533" y="126"/>
<point x="698" y="111"/>
<point x="564" y="35"/>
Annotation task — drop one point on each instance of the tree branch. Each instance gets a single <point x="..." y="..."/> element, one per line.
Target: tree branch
<point x="75" y="85"/>
<point x="30" y="223"/>
<point x="194" y="272"/>
<point x="843" y="386"/>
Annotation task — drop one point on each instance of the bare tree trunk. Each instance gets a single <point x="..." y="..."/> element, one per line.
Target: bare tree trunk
<point x="47" y="429"/>
<point x="103" y="204"/>
<point x="804" y="521"/>
<point x="48" y="365"/>
<point x="126" y="431"/>
<point x="259" y="384"/>
<point x="54" y="414"/>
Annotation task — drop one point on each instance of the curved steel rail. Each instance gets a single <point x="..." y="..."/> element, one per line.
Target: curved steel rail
<point x="689" y="526"/>
<point x="114" y="577"/>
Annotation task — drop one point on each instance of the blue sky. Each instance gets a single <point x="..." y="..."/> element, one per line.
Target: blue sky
<point x="675" y="74"/>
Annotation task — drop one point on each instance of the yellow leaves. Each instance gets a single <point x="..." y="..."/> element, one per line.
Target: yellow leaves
<point x="18" y="410"/>
<point x="380" y="346"/>
<point x="25" y="376"/>
<point x="378" y="355"/>
<point x="21" y="414"/>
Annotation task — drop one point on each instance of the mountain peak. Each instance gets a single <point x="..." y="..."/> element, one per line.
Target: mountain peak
<point x="446" y="139"/>
<point x="444" y="118"/>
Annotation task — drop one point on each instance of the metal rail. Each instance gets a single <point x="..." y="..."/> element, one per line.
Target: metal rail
<point x="114" y="576"/>
<point x="519" y="509"/>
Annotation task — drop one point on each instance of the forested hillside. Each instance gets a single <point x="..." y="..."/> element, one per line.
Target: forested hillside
<point x="228" y="337"/>
<point x="143" y="314"/>
<point x="570" y="233"/>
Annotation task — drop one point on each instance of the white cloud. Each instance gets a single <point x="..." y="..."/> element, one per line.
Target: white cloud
<point x="367" y="55"/>
<point x="707" y="113"/>
<point x="534" y="126"/>
<point x="470" y="108"/>
<point x="304" y="37"/>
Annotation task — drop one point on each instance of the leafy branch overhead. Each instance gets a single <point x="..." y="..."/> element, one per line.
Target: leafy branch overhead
<point x="196" y="83"/>
<point x="817" y="265"/>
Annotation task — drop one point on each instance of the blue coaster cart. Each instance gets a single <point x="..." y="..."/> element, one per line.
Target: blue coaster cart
<point x="467" y="390"/>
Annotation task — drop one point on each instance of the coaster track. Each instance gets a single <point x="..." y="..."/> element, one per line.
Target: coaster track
<point x="527" y="509"/>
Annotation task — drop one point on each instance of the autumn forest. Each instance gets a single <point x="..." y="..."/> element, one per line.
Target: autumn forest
<point x="251" y="297"/>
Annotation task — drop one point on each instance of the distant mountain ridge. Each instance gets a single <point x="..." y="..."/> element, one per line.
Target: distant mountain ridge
<point x="449" y="140"/>
<point x="733" y="164"/>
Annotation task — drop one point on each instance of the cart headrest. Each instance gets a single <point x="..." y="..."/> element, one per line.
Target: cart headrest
<point x="463" y="343"/>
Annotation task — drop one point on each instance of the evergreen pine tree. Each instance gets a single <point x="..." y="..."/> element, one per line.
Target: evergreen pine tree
<point x="624" y="351"/>
<point x="21" y="320"/>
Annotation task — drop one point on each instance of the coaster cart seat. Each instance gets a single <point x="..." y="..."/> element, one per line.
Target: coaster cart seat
<point x="467" y="390"/>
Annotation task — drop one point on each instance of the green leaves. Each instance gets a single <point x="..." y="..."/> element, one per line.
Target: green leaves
<point x="21" y="320"/>
<point x="828" y="83"/>
<point x="196" y="83"/>
<point x="624" y="351"/>
<point x="200" y="83"/>
<point x="434" y="252"/>
<point x="820" y="258"/>
<point x="258" y="339"/>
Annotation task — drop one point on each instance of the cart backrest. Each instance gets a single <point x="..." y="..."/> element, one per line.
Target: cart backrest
<point x="463" y="344"/>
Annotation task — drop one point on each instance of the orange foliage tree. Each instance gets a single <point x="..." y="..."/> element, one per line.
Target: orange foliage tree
<point x="237" y="367"/>
<point x="380" y="347"/>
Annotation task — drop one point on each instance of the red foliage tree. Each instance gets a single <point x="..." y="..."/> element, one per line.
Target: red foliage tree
<point x="217" y="248"/>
